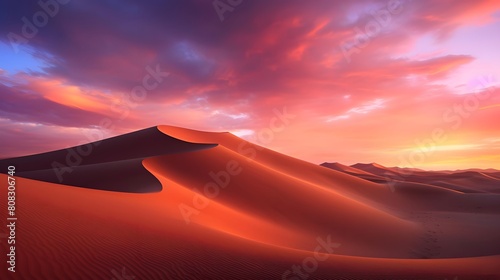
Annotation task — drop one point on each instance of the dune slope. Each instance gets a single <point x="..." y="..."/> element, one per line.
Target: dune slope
<point x="229" y="209"/>
<point x="111" y="164"/>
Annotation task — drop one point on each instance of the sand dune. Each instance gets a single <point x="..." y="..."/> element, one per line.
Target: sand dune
<point x="354" y="171"/>
<point x="467" y="181"/>
<point x="346" y="169"/>
<point x="111" y="164"/>
<point x="187" y="204"/>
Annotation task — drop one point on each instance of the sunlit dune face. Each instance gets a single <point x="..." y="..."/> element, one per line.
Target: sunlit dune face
<point x="250" y="139"/>
<point x="404" y="73"/>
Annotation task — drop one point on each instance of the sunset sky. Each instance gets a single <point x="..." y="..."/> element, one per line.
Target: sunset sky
<point x="400" y="83"/>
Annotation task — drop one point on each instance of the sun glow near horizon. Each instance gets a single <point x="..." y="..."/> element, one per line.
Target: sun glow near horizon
<point x="363" y="80"/>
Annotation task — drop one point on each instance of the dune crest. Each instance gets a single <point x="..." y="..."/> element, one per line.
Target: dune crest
<point x="229" y="209"/>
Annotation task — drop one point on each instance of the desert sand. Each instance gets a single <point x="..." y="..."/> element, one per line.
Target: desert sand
<point x="173" y="203"/>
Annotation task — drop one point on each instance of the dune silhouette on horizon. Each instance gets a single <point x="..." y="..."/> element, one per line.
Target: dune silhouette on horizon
<point x="173" y="203"/>
<point x="468" y="181"/>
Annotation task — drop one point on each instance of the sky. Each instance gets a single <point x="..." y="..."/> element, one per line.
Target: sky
<point x="397" y="82"/>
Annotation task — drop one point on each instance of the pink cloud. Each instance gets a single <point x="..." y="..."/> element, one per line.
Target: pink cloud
<point x="266" y="56"/>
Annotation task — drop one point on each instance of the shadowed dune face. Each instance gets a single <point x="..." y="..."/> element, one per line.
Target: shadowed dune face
<point x="214" y="206"/>
<point x="113" y="164"/>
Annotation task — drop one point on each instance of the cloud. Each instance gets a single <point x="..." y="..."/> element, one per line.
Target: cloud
<point x="47" y="102"/>
<point x="231" y="75"/>
<point x="363" y="109"/>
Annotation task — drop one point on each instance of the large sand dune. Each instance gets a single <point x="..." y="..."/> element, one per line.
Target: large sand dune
<point x="173" y="203"/>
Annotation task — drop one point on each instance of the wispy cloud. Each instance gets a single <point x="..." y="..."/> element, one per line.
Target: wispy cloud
<point x="362" y="109"/>
<point x="231" y="75"/>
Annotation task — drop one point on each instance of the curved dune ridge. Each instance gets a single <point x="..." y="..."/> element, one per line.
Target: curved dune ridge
<point x="229" y="209"/>
<point x="113" y="164"/>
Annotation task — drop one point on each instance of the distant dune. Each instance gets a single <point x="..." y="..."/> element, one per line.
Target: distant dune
<point x="467" y="181"/>
<point x="173" y="203"/>
<point x="351" y="170"/>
